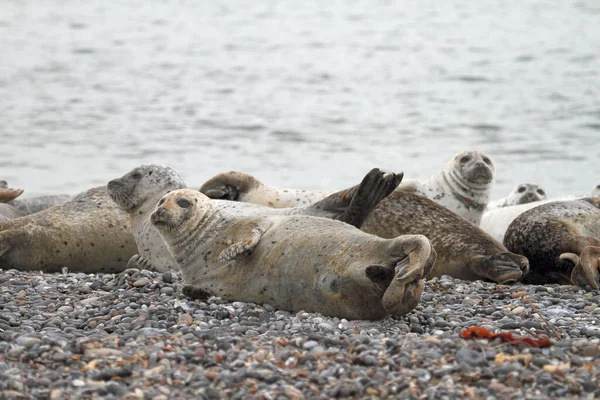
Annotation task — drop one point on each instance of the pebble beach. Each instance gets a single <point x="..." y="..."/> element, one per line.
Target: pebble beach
<point x="135" y="336"/>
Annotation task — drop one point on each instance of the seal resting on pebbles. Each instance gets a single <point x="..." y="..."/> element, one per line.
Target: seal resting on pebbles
<point x="292" y="262"/>
<point x="561" y="239"/>
<point x="522" y="194"/>
<point x="463" y="186"/>
<point x="87" y="234"/>
<point x="464" y="251"/>
<point x="138" y="191"/>
<point x="11" y="208"/>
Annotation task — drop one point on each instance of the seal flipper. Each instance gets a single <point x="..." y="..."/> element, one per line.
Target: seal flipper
<point x="354" y="205"/>
<point x="242" y="247"/>
<point x="7" y="194"/>
<point x="229" y="185"/>
<point x="404" y="291"/>
<point x="139" y="262"/>
<point x="586" y="273"/>
<point x="500" y="267"/>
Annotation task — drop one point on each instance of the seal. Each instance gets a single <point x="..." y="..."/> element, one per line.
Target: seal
<point x="138" y="191"/>
<point x="464" y="250"/>
<point x="239" y="186"/>
<point x="561" y="239"/>
<point x="11" y="208"/>
<point x="292" y="262"/>
<point x="463" y="186"/>
<point x="596" y="191"/>
<point x="87" y="234"/>
<point x="522" y="194"/>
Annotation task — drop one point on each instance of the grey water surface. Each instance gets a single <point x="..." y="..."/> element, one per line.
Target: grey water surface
<point x="304" y="94"/>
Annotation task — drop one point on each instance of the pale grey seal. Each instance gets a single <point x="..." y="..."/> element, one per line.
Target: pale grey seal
<point x="522" y="194"/>
<point x="292" y="262"/>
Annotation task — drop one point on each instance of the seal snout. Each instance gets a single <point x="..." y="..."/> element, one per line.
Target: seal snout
<point x="506" y="267"/>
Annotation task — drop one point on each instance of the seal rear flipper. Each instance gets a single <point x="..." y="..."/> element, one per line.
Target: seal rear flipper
<point x="7" y="194"/>
<point x="586" y="273"/>
<point x="229" y="185"/>
<point x="500" y="267"/>
<point x="242" y="247"/>
<point x="355" y="204"/>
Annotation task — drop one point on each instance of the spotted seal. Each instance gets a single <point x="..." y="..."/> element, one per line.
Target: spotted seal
<point x="87" y="234"/>
<point x="522" y="194"/>
<point x="292" y="262"/>
<point x="138" y="191"/>
<point x="11" y="207"/>
<point x="561" y="239"/>
<point x="463" y="186"/>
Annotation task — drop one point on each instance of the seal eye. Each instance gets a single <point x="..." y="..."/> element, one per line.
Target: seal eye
<point x="183" y="203"/>
<point x="540" y="191"/>
<point x="521" y="189"/>
<point x="487" y="161"/>
<point x="465" y="159"/>
<point x="162" y="201"/>
<point x="137" y="176"/>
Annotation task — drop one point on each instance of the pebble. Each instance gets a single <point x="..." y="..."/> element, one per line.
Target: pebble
<point x="149" y="342"/>
<point x="141" y="282"/>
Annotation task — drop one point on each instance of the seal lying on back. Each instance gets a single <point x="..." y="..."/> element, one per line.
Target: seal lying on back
<point x="292" y="262"/>
<point x="464" y="250"/>
<point x="561" y="239"/>
<point x="88" y="234"/>
<point x="138" y="191"/>
<point x="522" y="194"/>
<point x="463" y="186"/>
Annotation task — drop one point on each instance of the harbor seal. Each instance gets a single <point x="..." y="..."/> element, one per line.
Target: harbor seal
<point x="11" y="207"/>
<point x="463" y="186"/>
<point x="561" y="239"/>
<point x="464" y="251"/>
<point x="88" y="234"/>
<point x="138" y="191"/>
<point x="292" y="262"/>
<point x="522" y="194"/>
<point x="596" y="191"/>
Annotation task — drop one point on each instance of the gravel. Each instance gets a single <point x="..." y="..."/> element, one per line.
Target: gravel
<point x="135" y="336"/>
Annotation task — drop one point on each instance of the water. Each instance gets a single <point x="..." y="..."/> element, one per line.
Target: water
<point x="305" y="94"/>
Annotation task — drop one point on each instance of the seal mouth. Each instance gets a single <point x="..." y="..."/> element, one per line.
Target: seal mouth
<point x="120" y="194"/>
<point x="163" y="219"/>
<point x="481" y="175"/>
<point x="506" y="267"/>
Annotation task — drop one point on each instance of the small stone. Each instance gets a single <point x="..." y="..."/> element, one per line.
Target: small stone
<point x="471" y="357"/>
<point x="167" y="277"/>
<point x="185" y="319"/>
<point x="65" y="309"/>
<point x="56" y="394"/>
<point x="28" y="341"/>
<point x="252" y="333"/>
<point x="78" y="383"/>
<point x="518" y="310"/>
<point x="293" y="393"/>
<point x="102" y="352"/>
<point x="141" y="282"/>
<point x="311" y="344"/>
<point x="167" y="290"/>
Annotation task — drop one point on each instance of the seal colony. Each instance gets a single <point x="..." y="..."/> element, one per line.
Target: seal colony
<point x="137" y="193"/>
<point x="291" y="262"/>
<point x="463" y="186"/>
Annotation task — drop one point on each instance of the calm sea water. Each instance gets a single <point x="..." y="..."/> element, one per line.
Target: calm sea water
<point x="305" y="94"/>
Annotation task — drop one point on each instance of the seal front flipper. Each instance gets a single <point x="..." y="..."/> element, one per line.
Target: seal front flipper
<point x="139" y="262"/>
<point x="586" y="273"/>
<point x="245" y="238"/>
<point x="500" y="267"/>
<point x="355" y="204"/>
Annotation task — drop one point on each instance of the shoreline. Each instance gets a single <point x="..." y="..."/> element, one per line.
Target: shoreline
<point x="135" y="336"/>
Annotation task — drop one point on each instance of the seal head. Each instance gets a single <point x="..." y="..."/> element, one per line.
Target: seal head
<point x="596" y="191"/>
<point x="142" y="183"/>
<point x="525" y="193"/>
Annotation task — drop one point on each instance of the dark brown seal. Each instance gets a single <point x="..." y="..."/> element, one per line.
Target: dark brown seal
<point x="561" y="239"/>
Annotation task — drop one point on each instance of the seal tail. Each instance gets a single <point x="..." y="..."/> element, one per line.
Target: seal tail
<point x="354" y="205"/>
